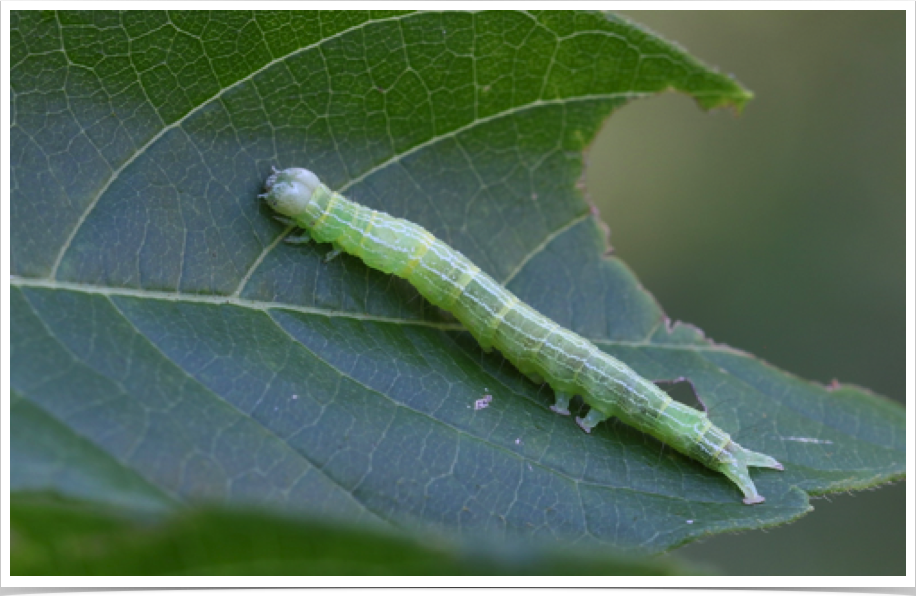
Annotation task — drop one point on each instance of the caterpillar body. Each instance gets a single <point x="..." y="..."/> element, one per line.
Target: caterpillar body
<point x="496" y="318"/>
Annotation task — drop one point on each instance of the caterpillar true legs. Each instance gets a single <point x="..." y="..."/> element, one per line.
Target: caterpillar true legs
<point x="537" y="346"/>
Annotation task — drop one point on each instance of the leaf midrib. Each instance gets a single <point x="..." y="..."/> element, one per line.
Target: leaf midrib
<point x="45" y="283"/>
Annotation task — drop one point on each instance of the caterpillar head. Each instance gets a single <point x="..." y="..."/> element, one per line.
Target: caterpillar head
<point x="289" y="191"/>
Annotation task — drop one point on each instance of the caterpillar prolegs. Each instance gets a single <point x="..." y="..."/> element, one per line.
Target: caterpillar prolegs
<point x="496" y="318"/>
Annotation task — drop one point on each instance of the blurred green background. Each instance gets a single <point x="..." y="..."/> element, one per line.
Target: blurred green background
<point x="780" y="232"/>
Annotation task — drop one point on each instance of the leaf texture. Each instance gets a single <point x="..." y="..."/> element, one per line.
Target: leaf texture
<point x="169" y="349"/>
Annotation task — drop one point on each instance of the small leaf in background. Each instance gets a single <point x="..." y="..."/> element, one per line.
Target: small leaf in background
<point x="54" y="537"/>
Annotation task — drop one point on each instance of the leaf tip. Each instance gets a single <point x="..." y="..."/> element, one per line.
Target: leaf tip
<point x="736" y="99"/>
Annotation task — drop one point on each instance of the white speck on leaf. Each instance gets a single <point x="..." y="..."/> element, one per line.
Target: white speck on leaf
<point x="807" y="440"/>
<point x="484" y="402"/>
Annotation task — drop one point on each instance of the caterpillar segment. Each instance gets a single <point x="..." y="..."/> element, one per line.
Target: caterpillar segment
<point x="496" y="318"/>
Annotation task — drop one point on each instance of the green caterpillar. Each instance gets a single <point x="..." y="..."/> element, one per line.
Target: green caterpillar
<point x="537" y="346"/>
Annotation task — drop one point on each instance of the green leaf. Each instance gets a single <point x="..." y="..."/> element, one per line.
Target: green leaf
<point x="52" y="537"/>
<point x="169" y="349"/>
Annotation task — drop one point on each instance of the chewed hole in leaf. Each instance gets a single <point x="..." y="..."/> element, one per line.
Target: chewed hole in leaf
<point x="681" y="390"/>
